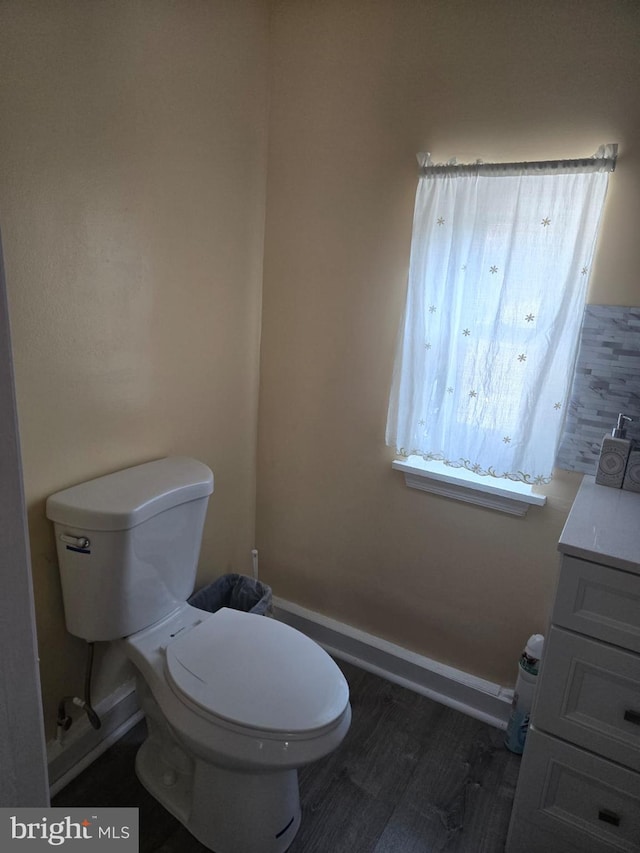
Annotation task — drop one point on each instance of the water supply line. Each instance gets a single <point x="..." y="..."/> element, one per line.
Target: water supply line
<point x="64" y="721"/>
<point x="254" y="559"/>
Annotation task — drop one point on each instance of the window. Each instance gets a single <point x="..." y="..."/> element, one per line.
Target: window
<point x="500" y="262"/>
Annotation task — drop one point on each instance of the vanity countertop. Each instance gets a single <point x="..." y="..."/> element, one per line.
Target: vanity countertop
<point x="604" y="526"/>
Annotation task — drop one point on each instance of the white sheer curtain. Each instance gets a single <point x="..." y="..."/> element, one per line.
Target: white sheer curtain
<point x="500" y="260"/>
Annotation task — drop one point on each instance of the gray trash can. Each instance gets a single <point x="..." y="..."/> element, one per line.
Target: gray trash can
<point x="239" y="592"/>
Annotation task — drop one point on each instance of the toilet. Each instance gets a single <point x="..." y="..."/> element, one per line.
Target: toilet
<point x="235" y="703"/>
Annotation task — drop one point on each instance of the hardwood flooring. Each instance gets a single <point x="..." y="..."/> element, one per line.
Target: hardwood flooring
<point x="412" y="776"/>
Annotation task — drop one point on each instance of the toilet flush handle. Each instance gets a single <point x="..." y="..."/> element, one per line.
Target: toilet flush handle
<point x="75" y="541"/>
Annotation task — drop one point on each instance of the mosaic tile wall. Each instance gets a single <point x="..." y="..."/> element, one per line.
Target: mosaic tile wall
<point x="606" y="382"/>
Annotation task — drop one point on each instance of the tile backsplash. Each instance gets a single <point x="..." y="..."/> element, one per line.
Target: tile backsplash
<point x="606" y="382"/>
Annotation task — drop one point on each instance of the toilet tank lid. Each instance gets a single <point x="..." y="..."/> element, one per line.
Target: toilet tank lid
<point x="126" y="498"/>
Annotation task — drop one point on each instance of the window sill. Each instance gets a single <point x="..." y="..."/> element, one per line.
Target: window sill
<point x="462" y="485"/>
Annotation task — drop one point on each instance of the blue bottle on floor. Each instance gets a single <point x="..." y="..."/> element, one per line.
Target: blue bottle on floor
<point x="523" y="694"/>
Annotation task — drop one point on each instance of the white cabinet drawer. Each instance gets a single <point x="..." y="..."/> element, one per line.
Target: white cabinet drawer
<point x="589" y="694"/>
<point x="576" y="800"/>
<point x="599" y="601"/>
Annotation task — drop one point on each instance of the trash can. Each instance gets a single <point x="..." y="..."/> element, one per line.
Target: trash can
<point x="239" y="592"/>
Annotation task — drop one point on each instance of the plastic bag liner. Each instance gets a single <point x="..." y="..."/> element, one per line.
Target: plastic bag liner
<point x="238" y="592"/>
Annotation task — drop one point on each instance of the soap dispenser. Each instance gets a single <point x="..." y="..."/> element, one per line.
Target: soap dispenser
<point x="614" y="455"/>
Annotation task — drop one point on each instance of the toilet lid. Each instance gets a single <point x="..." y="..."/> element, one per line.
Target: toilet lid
<point x="258" y="673"/>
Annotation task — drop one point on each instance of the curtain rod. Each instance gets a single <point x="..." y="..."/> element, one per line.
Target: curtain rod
<point x="604" y="160"/>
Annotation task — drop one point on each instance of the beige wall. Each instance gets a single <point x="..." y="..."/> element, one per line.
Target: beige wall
<point x="132" y="185"/>
<point x="357" y="89"/>
<point x="132" y="190"/>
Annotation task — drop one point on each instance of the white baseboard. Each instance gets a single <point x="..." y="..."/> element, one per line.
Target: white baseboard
<point x="120" y="711"/>
<point x="481" y="699"/>
<point x="82" y="744"/>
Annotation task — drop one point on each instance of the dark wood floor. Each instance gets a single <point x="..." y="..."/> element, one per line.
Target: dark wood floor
<point x="412" y="776"/>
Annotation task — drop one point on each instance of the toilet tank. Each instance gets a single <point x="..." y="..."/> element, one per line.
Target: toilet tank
<point x="128" y="545"/>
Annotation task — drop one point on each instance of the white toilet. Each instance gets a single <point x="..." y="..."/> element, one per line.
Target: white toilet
<point x="234" y="702"/>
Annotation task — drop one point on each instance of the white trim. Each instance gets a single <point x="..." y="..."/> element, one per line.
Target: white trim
<point x="82" y="744"/>
<point x="455" y="688"/>
<point x="23" y="770"/>
<point x="510" y="496"/>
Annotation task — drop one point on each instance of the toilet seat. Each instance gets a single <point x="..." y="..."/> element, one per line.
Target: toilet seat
<point x="256" y="673"/>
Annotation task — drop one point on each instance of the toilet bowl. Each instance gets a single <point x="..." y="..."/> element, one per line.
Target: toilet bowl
<point x="235" y="703"/>
<point x="238" y="723"/>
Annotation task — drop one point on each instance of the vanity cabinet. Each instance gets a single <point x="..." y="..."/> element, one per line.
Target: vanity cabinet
<point x="579" y="784"/>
